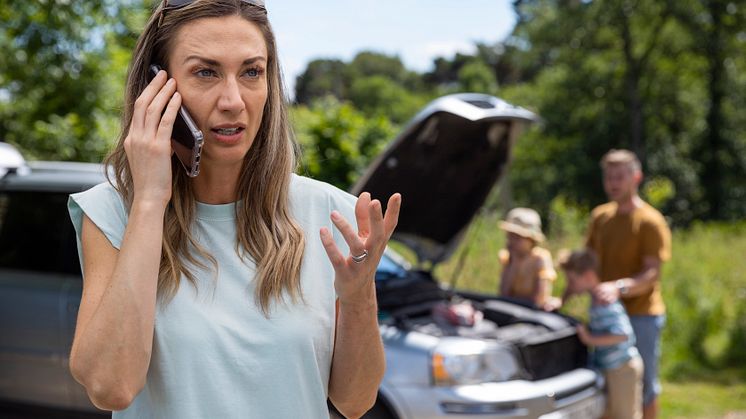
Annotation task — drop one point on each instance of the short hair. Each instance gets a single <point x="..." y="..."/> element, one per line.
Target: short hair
<point x="616" y="157"/>
<point x="579" y="261"/>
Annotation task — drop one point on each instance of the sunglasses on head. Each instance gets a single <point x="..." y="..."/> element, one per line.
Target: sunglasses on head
<point x="178" y="4"/>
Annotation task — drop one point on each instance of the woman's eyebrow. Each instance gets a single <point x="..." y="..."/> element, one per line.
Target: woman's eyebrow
<point x="215" y="63"/>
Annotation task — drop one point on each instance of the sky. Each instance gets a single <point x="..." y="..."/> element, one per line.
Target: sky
<point x="416" y="30"/>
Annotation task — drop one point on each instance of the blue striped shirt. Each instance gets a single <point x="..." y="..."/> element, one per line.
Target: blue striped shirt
<point x="612" y="320"/>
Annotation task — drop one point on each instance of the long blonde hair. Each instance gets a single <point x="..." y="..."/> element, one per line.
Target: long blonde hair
<point x="265" y="228"/>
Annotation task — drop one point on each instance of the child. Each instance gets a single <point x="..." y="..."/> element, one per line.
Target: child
<point x="528" y="271"/>
<point x="611" y="337"/>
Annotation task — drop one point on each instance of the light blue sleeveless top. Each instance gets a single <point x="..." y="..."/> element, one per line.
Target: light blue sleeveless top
<point x="215" y="355"/>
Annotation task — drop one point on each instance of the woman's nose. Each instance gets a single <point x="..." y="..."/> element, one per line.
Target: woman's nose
<point x="230" y="99"/>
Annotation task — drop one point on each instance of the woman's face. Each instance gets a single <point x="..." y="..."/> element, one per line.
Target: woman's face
<point x="220" y="67"/>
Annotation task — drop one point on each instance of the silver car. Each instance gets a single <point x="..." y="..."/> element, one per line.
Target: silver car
<point x="457" y="354"/>
<point x="449" y="353"/>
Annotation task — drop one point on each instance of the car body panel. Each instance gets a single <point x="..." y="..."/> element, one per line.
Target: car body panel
<point x="512" y="399"/>
<point x="36" y="353"/>
<point x="41" y="286"/>
<point x="445" y="163"/>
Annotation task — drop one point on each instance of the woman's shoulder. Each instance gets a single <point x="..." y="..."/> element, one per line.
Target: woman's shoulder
<point x="103" y="194"/>
<point x="302" y="187"/>
<point x="104" y="206"/>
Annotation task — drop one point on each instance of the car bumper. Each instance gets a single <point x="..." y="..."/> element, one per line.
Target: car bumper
<point x="576" y="394"/>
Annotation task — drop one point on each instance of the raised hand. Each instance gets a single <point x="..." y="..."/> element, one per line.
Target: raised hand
<point x="355" y="272"/>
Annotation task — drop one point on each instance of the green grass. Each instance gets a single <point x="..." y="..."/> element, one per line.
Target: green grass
<point x="703" y="399"/>
<point x="704" y="288"/>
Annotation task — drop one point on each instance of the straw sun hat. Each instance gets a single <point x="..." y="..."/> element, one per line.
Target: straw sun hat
<point x="524" y="222"/>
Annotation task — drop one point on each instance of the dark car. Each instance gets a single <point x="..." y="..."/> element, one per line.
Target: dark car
<point x="40" y="281"/>
<point x="501" y="360"/>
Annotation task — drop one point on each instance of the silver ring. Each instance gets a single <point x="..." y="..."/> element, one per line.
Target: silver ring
<point x="360" y="258"/>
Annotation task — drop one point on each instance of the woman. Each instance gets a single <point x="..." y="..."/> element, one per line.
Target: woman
<point x="528" y="271"/>
<point x="212" y="296"/>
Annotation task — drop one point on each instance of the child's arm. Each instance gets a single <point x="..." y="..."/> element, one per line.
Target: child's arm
<point x="598" y="340"/>
<point x="505" y="279"/>
<point x="545" y="275"/>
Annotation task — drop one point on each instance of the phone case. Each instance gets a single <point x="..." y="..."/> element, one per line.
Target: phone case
<point x="186" y="138"/>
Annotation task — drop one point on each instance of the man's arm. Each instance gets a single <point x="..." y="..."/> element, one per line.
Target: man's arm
<point x="639" y="284"/>
<point x="643" y="281"/>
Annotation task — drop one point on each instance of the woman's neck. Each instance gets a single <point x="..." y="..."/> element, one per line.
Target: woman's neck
<point x="216" y="186"/>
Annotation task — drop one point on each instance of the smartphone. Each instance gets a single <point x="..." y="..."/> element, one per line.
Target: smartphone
<point x="186" y="138"/>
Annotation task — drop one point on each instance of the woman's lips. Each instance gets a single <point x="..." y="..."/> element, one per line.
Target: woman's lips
<point x="227" y="138"/>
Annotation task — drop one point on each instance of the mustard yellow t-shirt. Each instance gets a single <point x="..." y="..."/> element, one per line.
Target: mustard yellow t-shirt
<point x="526" y="275"/>
<point x="621" y="242"/>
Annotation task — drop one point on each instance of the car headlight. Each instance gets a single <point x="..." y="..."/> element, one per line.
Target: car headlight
<point x="472" y="362"/>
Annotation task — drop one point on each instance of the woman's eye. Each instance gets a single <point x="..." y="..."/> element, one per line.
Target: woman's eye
<point x="253" y="72"/>
<point x="205" y="73"/>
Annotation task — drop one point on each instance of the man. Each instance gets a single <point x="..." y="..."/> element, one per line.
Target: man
<point x="632" y="241"/>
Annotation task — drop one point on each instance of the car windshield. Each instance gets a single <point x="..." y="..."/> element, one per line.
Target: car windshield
<point x="388" y="268"/>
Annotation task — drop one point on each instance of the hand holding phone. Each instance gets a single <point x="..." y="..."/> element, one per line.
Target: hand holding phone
<point x="186" y="138"/>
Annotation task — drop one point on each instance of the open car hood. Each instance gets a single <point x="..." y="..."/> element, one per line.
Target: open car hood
<point x="445" y="163"/>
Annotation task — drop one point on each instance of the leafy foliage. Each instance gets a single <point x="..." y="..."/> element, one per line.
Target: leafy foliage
<point x="663" y="78"/>
<point x="376" y="84"/>
<point x="337" y="141"/>
<point x="61" y="75"/>
<point x="638" y="75"/>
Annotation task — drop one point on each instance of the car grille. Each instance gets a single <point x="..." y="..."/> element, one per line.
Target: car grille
<point x="552" y="353"/>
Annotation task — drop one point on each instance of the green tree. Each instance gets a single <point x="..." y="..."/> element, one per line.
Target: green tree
<point x="368" y="81"/>
<point x="379" y="95"/>
<point x="720" y="25"/>
<point x="478" y="77"/>
<point x="58" y="97"/>
<point x="369" y="63"/>
<point x="337" y="141"/>
<point x="620" y="73"/>
<point x="322" y="77"/>
<point x="466" y="72"/>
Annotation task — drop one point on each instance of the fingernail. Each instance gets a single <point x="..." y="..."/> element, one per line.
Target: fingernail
<point x="335" y="215"/>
